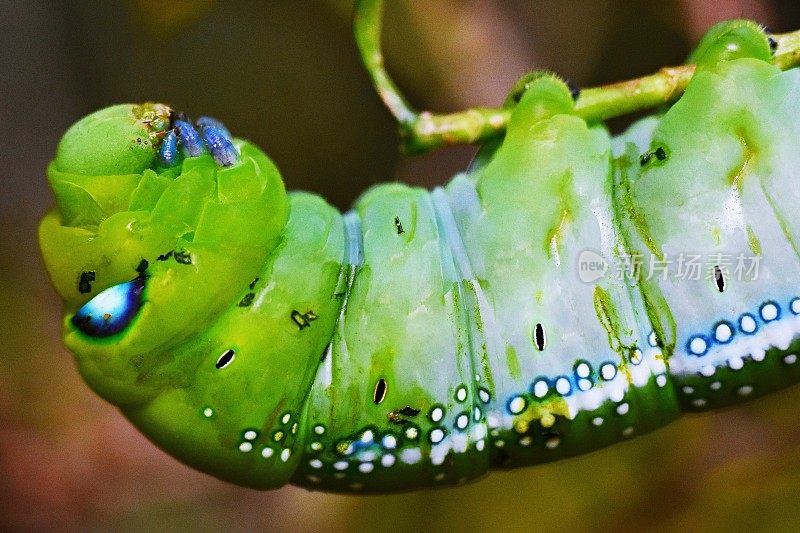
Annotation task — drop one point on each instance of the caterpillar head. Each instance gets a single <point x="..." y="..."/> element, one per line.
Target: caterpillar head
<point x="150" y="239"/>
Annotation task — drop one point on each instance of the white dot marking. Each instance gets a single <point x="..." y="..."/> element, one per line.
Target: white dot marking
<point x="608" y="371"/>
<point x="389" y="441"/>
<point x="769" y="312"/>
<point x="517" y="405"/>
<point x="697" y="346"/>
<point x="723" y="332"/>
<point x="461" y="394"/>
<point x="652" y="340"/>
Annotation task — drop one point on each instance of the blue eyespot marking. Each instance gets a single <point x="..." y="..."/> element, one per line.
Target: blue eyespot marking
<point x="189" y="137"/>
<point x="748" y="324"/>
<point x="111" y="311"/>
<point x="168" y="153"/>
<point x="724" y="332"/>
<point x="222" y="149"/>
<point x="770" y="311"/>
<point x="697" y="345"/>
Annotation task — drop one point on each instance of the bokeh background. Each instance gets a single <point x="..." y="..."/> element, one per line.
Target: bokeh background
<point x="285" y="74"/>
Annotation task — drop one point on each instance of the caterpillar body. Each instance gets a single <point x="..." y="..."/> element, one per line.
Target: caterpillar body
<point x="422" y="338"/>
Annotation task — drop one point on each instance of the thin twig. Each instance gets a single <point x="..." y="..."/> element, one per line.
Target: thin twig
<point x="425" y="131"/>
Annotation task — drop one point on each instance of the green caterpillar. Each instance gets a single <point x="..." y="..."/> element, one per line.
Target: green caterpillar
<point x="509" y="318"/>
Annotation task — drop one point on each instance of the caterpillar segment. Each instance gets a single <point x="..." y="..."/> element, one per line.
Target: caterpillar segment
<point x="715" y="216"/>
<point x="508" y="318"/>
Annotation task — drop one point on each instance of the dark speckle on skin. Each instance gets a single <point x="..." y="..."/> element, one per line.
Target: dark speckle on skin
<point x="303" y="320"/>
<point x="574" y="90"/>
<point x="183" y="257"/>
<point x="399" y="416"/>
<point x="409" y="411"/>
<point x="773" y="44"/>
<point x="85" y="282"/>
<point x="659" y="153"/>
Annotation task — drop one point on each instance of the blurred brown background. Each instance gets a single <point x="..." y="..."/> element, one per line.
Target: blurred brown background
<point x="285" y="74"/>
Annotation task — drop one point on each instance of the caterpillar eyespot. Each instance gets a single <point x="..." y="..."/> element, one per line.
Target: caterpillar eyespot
<point x="569" y="291"/>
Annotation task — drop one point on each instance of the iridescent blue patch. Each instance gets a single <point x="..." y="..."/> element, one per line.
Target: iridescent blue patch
<point x="189" y="138"/>
<point x="111" y="311"/>
<point x="168" y="153"/>
<point x="222" y="149"/>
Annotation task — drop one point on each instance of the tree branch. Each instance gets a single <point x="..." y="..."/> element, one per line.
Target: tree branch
<point x="424" y="131"/>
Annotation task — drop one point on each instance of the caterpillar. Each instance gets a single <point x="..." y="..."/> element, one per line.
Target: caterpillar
<point x="570" y="290"/>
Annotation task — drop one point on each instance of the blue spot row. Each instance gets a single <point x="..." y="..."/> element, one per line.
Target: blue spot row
<point x="747" y="324"/>
<point x="583" y="377"/>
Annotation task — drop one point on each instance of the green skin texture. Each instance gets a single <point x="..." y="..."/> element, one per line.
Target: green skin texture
<point x="444" y="304"/>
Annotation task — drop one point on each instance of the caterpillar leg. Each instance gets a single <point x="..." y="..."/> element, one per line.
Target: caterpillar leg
<point x="714" y="216"/>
